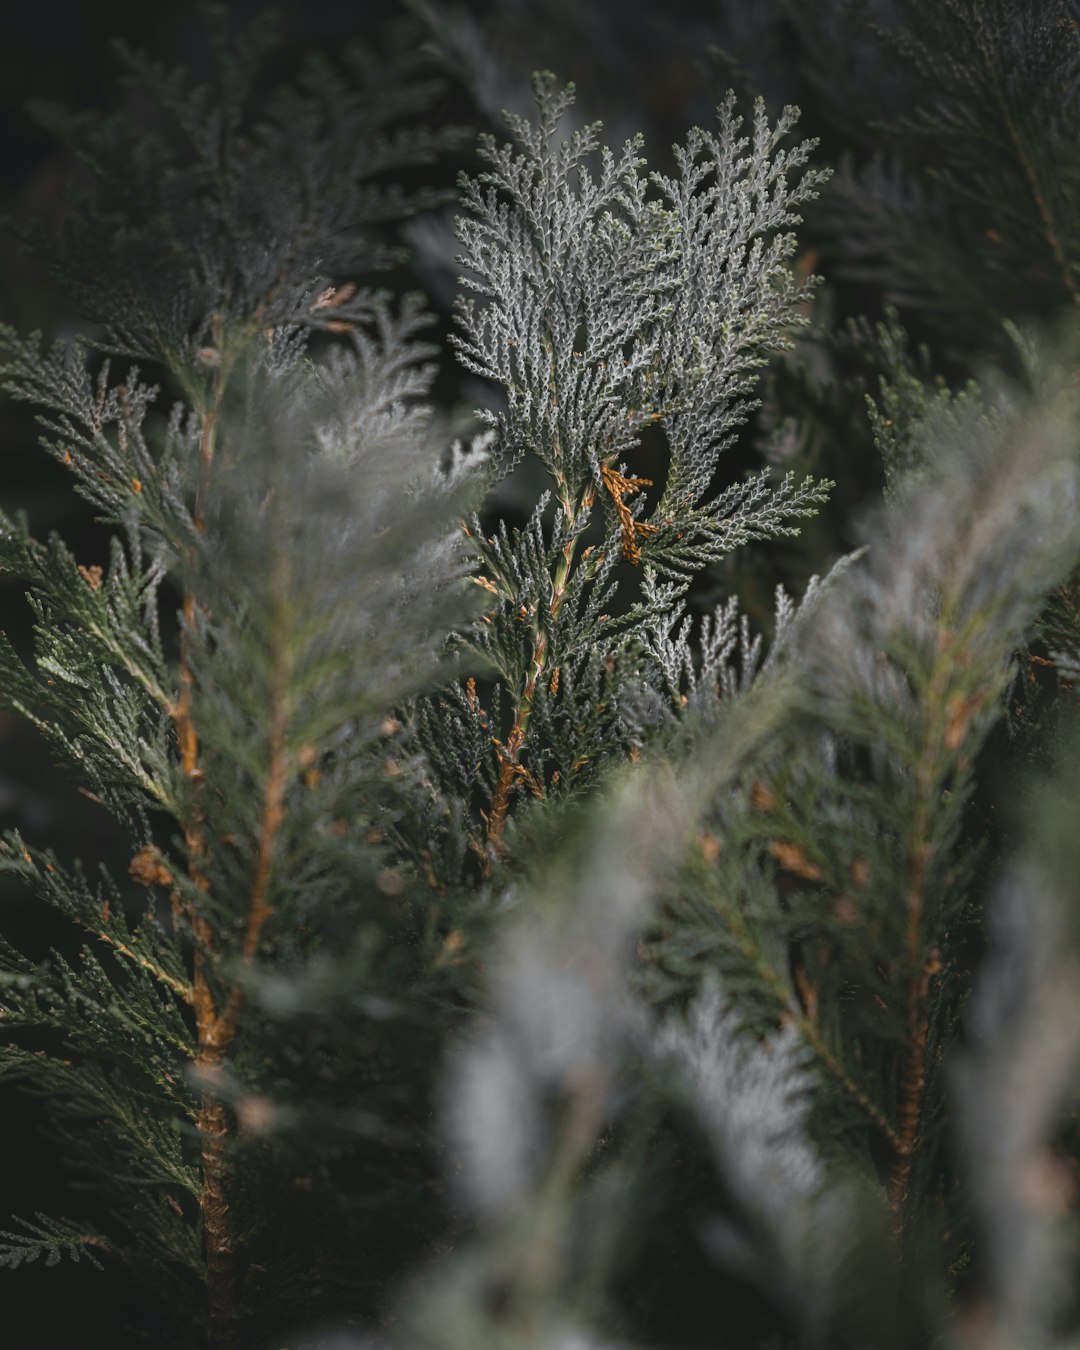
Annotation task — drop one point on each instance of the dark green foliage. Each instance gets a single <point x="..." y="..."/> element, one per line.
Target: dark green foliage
<point x="213" y="207"/>
<point x="976" y="220"/>
<point x="516" y="950"/>
<point x="301" y="512"/>
<point x="50" y="1238"/>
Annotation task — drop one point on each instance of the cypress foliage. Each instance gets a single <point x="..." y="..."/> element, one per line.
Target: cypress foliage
<point x="520" y="948"/>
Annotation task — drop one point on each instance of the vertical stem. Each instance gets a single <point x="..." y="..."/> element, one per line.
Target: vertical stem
<point x="215" y="1030"/>
<point x="510" y="753"/>
<point x="221" y="1282"/>
<point x="212" y="1122"/>
<point x="920" y="969"/>
<point x="218" y="1030"/>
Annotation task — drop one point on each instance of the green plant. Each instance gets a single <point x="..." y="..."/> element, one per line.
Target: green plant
<point x="512" y="955"/>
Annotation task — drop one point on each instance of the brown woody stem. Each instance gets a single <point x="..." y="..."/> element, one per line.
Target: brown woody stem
<point x="214" y="1030"/>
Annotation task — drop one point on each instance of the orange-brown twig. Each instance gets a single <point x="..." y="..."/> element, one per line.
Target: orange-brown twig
<point x="510" y="769"/>
<point x="912" y="1083"/>
<point x="621" y="487"/>
<point x="213" y="1033"/>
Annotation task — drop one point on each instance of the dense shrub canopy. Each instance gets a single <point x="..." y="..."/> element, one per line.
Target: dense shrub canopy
<point x="596" y="870"/>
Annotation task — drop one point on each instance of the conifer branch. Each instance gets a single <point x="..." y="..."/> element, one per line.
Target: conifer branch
<point x="793" y="1014"/>
<point x="272" y="814"/>
<point x="1042" y="206"/>
<point x="214" y="1030"/>
<point x="219" y="1030"/>
<point x="510" y="768"/>
<point x="920" y="969"/>
<point x="621" y="487"/>
<point x="183" y="718"/>
<point x="217" y="245"/>
<point x="145" y="679"/>
<point x="250" y="1087"/>
<point x="180" y="988"/>
<point x="836" y="1070"/>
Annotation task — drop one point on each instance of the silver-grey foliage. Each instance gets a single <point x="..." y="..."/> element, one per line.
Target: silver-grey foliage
<point x="621" y="314"/>
<point x="605" y="307"/>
